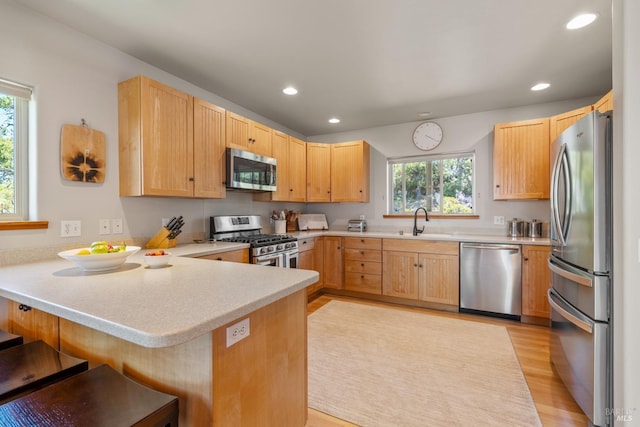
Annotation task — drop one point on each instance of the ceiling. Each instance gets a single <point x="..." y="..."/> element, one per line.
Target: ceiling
<point x="369" y="62"/>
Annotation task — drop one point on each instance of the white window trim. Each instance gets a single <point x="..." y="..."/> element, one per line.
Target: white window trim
<point x="429" y="157"/>
<point x="22" y="96"/>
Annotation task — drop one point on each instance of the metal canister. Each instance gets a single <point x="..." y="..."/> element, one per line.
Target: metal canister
<point x="512" y="227"/>
<point x="523" y="228"/>
<point x="535" y="228"/>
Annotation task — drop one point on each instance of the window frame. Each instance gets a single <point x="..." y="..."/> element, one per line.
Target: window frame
<point x="431" y="157"/>
<point x="22" y="98"/>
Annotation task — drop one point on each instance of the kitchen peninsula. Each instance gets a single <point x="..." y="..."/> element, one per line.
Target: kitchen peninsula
<point x="167" y="328"/>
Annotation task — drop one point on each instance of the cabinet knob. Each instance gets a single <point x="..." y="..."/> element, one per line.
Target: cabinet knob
<point x="191" y="179"/>
<point x="291" y="189"/>
<point x="24" y="307"/>
<point x="526" y="259"/>
<point x="415" y="265"/>
<point x="497" y="185"/>
<point x="362" y="240"/>
<point x="219" y="259"/>
<point x="362" y="276"/>
<point x="420" y="265"/>
<point x="361" y="252"/>
<point x="362" y="265"/>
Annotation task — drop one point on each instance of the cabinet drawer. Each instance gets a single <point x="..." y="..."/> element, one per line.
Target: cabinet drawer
<point x="363" y="255"/>
<point x="423" y="246"/>
<point x="370" y="283"/>
<point x="306" y="244"/>
<point x="239" y="255"/>
<point x="362" y="243"/>
<point x="366" y="267"/>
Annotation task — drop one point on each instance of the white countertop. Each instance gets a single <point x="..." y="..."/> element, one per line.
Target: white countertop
<point x="153" y="307"/>
<point x="454" y="237"/>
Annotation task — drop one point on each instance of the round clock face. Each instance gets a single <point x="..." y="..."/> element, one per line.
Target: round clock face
<point x="427" y="136"/>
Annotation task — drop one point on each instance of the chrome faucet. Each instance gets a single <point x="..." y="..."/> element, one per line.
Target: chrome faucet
<point x="415" y="221"/>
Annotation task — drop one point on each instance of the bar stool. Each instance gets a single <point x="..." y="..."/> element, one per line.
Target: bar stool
<point x="34" y="365"/>
<point x="97" y="397"/>
<point x="9" y="340"/>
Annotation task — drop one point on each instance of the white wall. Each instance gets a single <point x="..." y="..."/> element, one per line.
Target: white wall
<point x="626" y="272"/>
<point x="75" y="77"/>
<point x="470" y="132"/>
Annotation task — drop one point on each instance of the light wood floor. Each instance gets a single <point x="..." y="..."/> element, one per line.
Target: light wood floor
<point x="531" y="343"/>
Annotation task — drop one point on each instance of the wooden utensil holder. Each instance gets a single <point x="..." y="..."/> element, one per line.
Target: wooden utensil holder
<point x="161" y="240"/>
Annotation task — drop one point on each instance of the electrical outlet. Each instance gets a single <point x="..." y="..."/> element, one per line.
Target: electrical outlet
<point x="104" y="227"/>
<point x="237" y="332"/>
<point x="116" y="226"/>
<point x="70" y="228"/>
<point x="498" y="220"/>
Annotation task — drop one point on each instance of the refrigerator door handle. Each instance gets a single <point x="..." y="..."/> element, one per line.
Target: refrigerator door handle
<point x="585" y="325"/>
<point x="577" y="278"/>
<point x="561" y="225"/>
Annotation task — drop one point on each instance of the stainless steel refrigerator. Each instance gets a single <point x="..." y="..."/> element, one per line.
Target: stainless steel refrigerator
<point x="581" y="263"/>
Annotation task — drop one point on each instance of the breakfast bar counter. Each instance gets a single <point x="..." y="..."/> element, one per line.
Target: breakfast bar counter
<point x="167" y="328"/>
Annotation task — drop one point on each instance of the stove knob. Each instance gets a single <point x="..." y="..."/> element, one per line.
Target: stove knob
<point x="294" y="245"/>
<point x="263" y="250"/>
<point x="279" y="247"/>
<point x="270" y="249"/>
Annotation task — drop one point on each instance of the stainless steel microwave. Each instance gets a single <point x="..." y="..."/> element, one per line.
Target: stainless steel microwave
<point x="250" y="171"/>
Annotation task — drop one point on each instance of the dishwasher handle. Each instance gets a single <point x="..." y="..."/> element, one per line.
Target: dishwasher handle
<point x="491" y="247"/>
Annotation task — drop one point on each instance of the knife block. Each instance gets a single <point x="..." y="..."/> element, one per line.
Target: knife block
<point x="161" y="240"/>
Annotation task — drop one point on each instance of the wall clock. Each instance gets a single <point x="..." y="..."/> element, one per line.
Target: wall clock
<point x="427" y="135"/>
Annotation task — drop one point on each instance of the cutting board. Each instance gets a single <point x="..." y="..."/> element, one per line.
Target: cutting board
<point x="83" y="154"/>
<point x="312" y="222"/>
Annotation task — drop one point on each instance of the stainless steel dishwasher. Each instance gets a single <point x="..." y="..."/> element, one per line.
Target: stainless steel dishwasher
<point x="490" y="279"/>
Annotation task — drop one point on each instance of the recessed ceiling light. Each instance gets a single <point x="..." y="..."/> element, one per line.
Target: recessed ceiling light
<point x="540" y="86"/>
<point x="334" y="120"/>
<point x="424" y="114"/>
<point x="581" y="21"/>
<point x="290" y="90"/>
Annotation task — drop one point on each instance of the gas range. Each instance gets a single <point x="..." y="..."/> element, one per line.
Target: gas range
<point x="266" y="249"/>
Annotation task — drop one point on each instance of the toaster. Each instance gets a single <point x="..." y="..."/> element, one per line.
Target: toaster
<point x="357" y="225"/>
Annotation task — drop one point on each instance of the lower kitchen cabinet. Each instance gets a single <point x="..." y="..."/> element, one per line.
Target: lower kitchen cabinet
<point x="439" y="279"/>
<point x="33" y="324"/>
<point x="239" y="255"/>
<point x="536" y="279"/>
<point x="333" y="264"/>
<point x="310" y="257"/>
<point x="421" y="270"/>
<point x="363" y="264"/>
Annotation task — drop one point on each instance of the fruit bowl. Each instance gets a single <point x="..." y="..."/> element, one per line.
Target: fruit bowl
<point x="99" y="262"/>
<point x="157" y="258"/>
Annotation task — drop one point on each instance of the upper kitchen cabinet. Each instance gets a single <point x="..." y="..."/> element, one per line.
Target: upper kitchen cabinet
<point x="557" y="124"/>
<point x="605" y="103"/>
<point x="291" y="155"/>
<point x="318" y="172"/>
<point x="208" y="150"/>
<point x="521" y="160"/>
<point x="245" y="134"/>
<point x="338" y="172"/>
<point x="159" y="152"/>
<point x="350" y="172"/>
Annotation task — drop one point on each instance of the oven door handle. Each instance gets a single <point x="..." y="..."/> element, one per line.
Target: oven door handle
<point x="585" y="325"/>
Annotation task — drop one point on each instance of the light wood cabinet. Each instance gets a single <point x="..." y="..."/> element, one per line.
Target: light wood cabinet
<point x="557" y="124"/>
<point x="333" y="262"/>
<point x="160" y="152"/>
<point x="291" y="155"/>
<point x="605" y="103"/>
<point x="238" y="255"/>
<point x="350" y="163"/>
<point x="33" y="324"/>
<point x="310" y="258"/>
<point x="421" y="270"/>
<point x="246" y="134"/>
<point x="338" y="172"/>
<point x="209" y="161"/>
<point x="536" y="279"/>
<point x="318" y="172"/>
<point x="521" y="160"/>
<point x="363" y="264"/>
